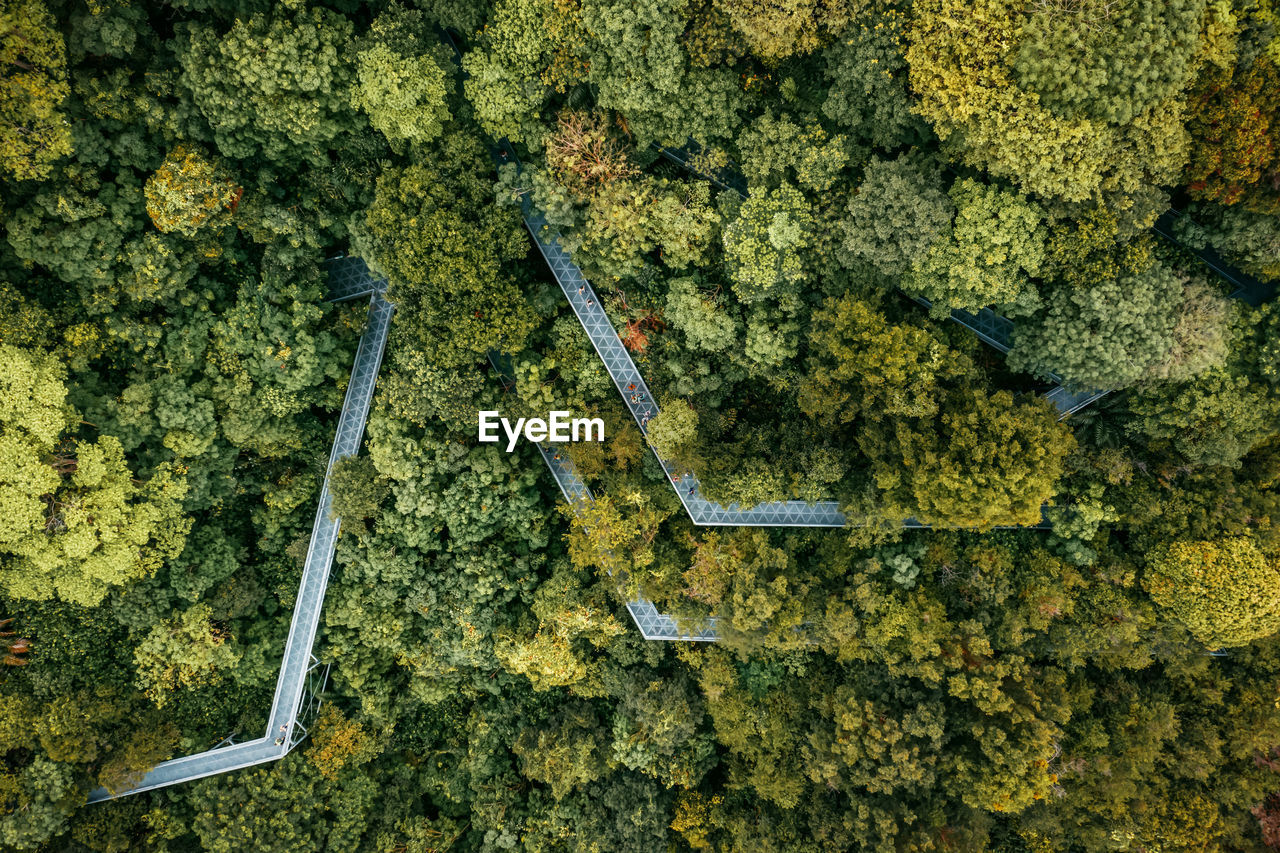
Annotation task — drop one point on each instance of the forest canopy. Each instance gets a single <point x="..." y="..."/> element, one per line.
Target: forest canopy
<point x="993" y="281"/>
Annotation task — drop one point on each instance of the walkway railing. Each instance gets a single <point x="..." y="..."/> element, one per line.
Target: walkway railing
<point x="639" y="401"/>
<point x="301" y="675"/>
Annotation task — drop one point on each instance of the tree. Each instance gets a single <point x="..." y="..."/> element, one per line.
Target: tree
<point x="358" y="490"/>
<point x="996" y="246"/>
<point x="617" y="536"/>
<point x="1202" y="335"/>
<point x="189" y="192"/>
<point x="1226" y="592"/>
<point x="775" y="31"/>
<point x="566" y="751"/>
<point x="34" y="133"/>
<point x="1249" y="239"/>
<point x="434" y="232"/>
<point x="77" y="521"/>
<point x="77" y="229"/>
<point x="984" y="459"/>
<point x="865" y="747"/>
<point x="400" y="88"/>
<point x="990" y="82"/>
<point x="637" y="64"/>
<point x="1213" y="419"/>
<point x="658" y="730"/>
<point x="503" y="80"/>
<point x="585" y="155"/>
<point x="143" y="750"/>
<point x="1111" y="335"/>
<point x="762" y="246"/>
<point x="182" y="653"/>
<point x="706" y="323"/>
<point x="339" y="744"/>
<point x="778" y="150"/>
<point x="862" y="365"/>
<point x="276" y="85"/>
<point x="867" y="76"/>
<point x="897" y="214"/>
<point x="270" y="360"/>
<point x="673" y="433"/>
<point x="1234" y="123"/>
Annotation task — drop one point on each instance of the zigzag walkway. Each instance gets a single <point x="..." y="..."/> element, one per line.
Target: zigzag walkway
<point x="653" y="625"/>
<point x="301" y="674"/>
<point x="636" y="396"/>
<point x="639" y="401"/>
<point x="991" y="328"/>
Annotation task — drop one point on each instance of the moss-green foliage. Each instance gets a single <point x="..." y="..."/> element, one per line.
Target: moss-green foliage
<point x="173" y="177"/>
<point x="358" y="490"/>
<point x="990" y="80"/>
<point x="867" y="74"/>
<point x="673" y="432"/>
<point x="275" y="84"/>
<point x="187" y="652"/>
<point x="996" y="247"/>
<point x="1227" y="592"/>
<point x="34" y="131"/>
<point x="1110" y="335"/>
<point x="77" y="522"/>
<point x="984" y="459"/>
<point x="762" y="246"/>
<point x="896" y="215"/>
<point x="778" y="149"/>
<point x="404" y="97"/>
<point x="863" y="366"/>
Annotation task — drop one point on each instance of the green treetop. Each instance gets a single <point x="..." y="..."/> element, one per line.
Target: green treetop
<point x="1226" y="592"/>
<point x="276" y="85"/>
<point x="997" y="244"/>
<point x="76" y="522"/>
<point x="896" y="215"/>
<point x="763" y="245"/>
<point x="402" y="89"/>
<point x="33" y="84"/>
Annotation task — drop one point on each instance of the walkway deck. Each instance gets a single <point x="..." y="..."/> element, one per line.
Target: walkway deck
<point x="350" y="279"/>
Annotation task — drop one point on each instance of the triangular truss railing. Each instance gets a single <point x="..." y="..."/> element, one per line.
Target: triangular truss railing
<point x="991" y="328"/>
<point x="302" y="676"/>
<point x="639" y="401"/>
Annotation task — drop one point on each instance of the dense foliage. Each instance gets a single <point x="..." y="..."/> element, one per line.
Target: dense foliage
<point x="1081" y="655"/>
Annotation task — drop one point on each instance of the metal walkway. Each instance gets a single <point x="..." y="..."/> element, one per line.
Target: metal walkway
<point x="653" y="625"/>
<point x="639" y="401"/>
<point x="302" y="676"/>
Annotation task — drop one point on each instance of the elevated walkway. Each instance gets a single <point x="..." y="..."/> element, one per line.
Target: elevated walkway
<point x="302" y="676"/>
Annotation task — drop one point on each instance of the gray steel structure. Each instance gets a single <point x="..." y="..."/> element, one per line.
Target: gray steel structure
<point x="302" y="676"/>
<point x="653" y="624"/>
